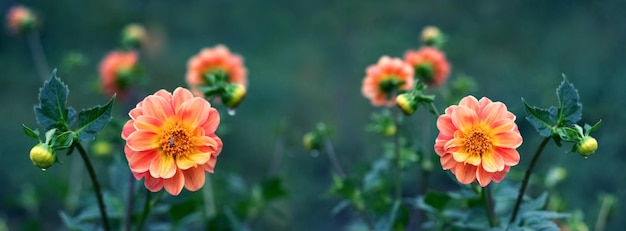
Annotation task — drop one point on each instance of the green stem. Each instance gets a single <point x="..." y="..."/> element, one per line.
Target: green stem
<point x="209" y="198"/>
<point x="486" y="196"/>
<point x="36" y="50"/>
<point x="398" y="160"/>
<point x="330" y="150"/>
<point x="130" y="202"/>
<point x="529" y="171"/>
<point x="432" y="106"/>
<point x="146" y="210"/>
<point x="96" y="186"/>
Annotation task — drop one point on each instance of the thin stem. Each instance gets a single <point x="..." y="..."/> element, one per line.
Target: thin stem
<point x="39" y="57"/>
<point x="432" y="106"/>
<point x="146" y="211"/>
<point x="96" y="185"/>
<point x="398" y="158"/>
<point x="279" y="149"/>
<point x="529" y="171"/>
<point x="486" y="196"/>
<point x="131" y="201"/>
<point x="209" y="198"/>
<point x="330" y="150"/>
<point x="605" y="208"/>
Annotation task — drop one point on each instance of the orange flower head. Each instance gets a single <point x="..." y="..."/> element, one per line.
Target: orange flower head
<point x="21" y="19"/>
<point x="117" y="70"/>
<point x="430" y="65"/>
<point x="478" y="140"/>
<point x="211" y="60"/>
<point x="171" y="141"/>
<point x="387" y="78"/>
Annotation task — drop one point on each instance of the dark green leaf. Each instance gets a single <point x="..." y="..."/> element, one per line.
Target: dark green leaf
<point x="30" y="132"/>
<point x="179" y="211"/>
<point x="542" y="119"/>
<point x="49" y="135"/>
<point x="62" y="141"/>
<point x="51" y="111"/>
<point x="437" y="200"/>
<point x="386" y="223"/>
<point x="535" y="204"/>
<point x="545" y="215"/>
<point x="272" y="189"/>
<point x="570" y="110"/>
<point x="568" y="134"/>
<point x="92" y="120"/>
<point x="74" y="224"/>
<point x="589" y="129"/>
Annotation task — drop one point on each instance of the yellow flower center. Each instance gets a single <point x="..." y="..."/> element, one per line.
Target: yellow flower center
<point x="175" y="141"/>
<point x="477" y="143"/>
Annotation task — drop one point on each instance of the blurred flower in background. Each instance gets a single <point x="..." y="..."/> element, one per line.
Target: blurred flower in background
<point x="134" y="36"/>
<point x="118" y="72"/>
<point x="21" y="20"/>
<point x="171" y="141"/>
<point x="215" y="60"/>
<point x="478" y="140"/>
<point x="386" y="79"/>
<point x="430" y="64"/>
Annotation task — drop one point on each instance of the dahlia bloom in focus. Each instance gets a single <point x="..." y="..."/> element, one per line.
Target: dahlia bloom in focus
<point x="171" y="141"/>
<point x="212" y="60"/>
<point x="116" y="71"/>
<point x="430" y="65"/>
<point x="20" y="19"/>
<point x="386" y="79"/>
<point x="478" y="140"/>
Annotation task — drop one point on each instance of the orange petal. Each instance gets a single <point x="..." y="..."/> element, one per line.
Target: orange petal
<point x="502" y="125"/>
<point x="210" y="165"/>
<point x="139" y="175"/>
<point x="463" y="118"/>
<point x="445" y="126"/>
<point x="439" y="146"/>
<point x="492" y="162"/>
<point x="492" y="112"/>
<point x="141" y="161"/>
<point x="162" y="166"/>
<point x="509" y="139"/>
<point x="203" y="141"/>
<point x="447" y="162"/>
<point x="165" y="95"/>
<point x="510" y="156"/>
<point x="135" y="112"/>
<point x="192" y="160"/>
<point x="483" y="177"/>
<point x="483" y="102"/>
<point x="127" y="129"/>
<point x="465" y="173"/>
<point x="194" y="178"/>
<point x="194" y="111"/>
<point x="129" y="152"/>
<point x="498" y="176"/>
<point x="180" y="96"/>
<point x="470" y="102"/>
<point x="148" y="123"/>
<point x="142" y="140"/>
<point x="153" y="184"/>
<point x="157" y="107"/>
<point x="212" y="121"/>
<point x="174" y="184"/>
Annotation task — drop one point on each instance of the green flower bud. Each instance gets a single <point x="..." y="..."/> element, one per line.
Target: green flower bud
<point x="587" y="146"/>
<point x="133" y="36"/>
<point x="42" y="156"/>
<point x="233" y="95"/>
<point x="312" y="141"/>
<point x="432" y="36"/>
<point x="406" y="103"/>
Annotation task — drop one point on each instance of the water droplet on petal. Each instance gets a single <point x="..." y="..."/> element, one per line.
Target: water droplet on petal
<point x="315" y="153"/>
<point x="231" y="112"/>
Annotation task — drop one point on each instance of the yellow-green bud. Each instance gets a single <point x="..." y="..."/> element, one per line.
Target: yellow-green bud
<point x="42" y="156"/>
<point x="134" y="35"/>
<point x="312" y="141"/>
<point x="233" y="95"/>
<point x="431" y="36"/>
<point x="587" y="146"/>
<point x="406" y="103"/>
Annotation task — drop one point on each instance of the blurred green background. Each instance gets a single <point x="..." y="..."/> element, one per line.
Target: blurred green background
<point x="306" y="61"/>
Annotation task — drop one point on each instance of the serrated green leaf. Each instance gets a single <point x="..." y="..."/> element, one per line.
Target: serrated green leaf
<point x="31" y="133"/>
<point x="542" y="119"/>
<point x="91" y="121"/>
<point x="570" y="110"/>
<point x="51" y="111"/>
<point x="62" y="141"/>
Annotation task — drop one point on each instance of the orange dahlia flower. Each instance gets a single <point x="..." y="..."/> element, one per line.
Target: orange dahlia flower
<point x="430" y="65"/>
<point x="116" y="71"/>
<point x="210" y="60"/>
<point x="20" y="19"/>
<point x="385" y="79"/>
<point x="478" y="140"/>
<point x="171" y="141"/>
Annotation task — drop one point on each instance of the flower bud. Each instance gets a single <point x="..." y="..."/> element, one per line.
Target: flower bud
<point x="432" y="36"/>
<point x="587" y="146"/>
<point x="134" y="35"/>
<point x="312" y="141"/>
<point x="233" y="95"/>
<point x="21" y="20"/>
<point x="406" y="103"/>
<point x="42" y="156"/>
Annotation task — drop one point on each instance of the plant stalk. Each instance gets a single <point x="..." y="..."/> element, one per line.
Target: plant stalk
<point x="39" y="57"/>
<point x="96" y="186"/>
<point x="486" y="196"/>
<point x="146" y="211"/>
<point x="397" y="154"/>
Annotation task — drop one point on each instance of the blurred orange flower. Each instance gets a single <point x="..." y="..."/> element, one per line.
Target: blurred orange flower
<point x="386" y="79"/>
<point x="210" y="60"/>
<point x="430" y="65"/>
<point x="171" y="141"/>
<point x="116" y="71"/>
<point x="20" y="19"/>
<point x="478" y="140"/>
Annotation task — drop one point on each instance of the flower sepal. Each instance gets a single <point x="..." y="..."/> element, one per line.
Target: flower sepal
<point x="233" y="94"/>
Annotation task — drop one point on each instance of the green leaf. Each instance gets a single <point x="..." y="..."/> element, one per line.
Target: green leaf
<point x="62" y="141"/>
<point x="51" y="111"/>
<point x="49" y="135"/>
<point x="272" y="189"/>
<point x="181" y="210"/>
<point x="92" y="120"/>
<point x="568" y="134"/>
<point x="437" y="200"/>
<point x="570" y="110"/>
<point x="30" y="132"/>
<point x="542" y="119"/>
<point x="589" y="129"/>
